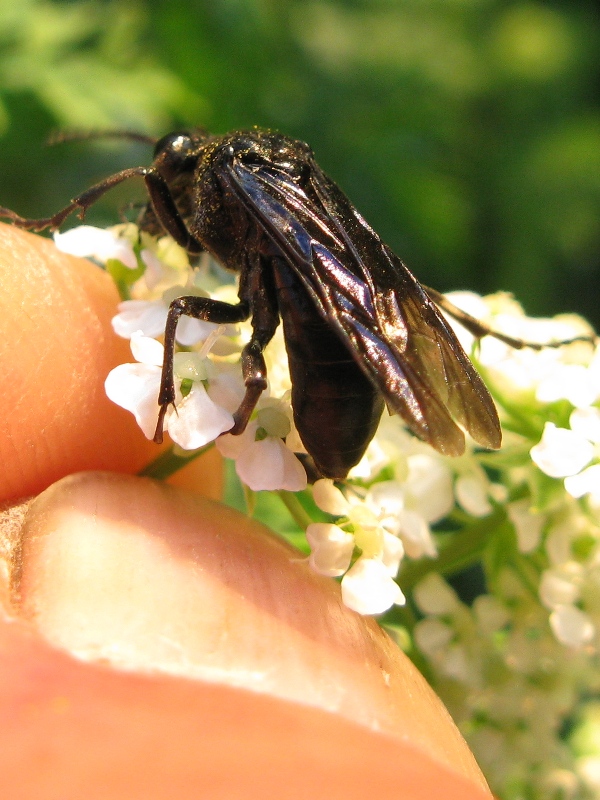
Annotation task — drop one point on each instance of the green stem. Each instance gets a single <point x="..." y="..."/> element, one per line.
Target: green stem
<point x="170" y="462"/>
<point x="294" y="506"/>
<point x="460" y="551"/>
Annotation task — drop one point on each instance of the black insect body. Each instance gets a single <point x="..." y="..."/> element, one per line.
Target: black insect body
<point x="360" y="331"/>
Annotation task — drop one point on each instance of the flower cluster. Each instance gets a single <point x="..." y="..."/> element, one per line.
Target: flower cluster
<point x="514" y="664"/>
<point x="209" y="387"/>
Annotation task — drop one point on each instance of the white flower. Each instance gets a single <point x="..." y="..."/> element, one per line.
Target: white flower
<point x="572" y="626"/>
<point x="262" y="460"/>
<point x="428" y="486"/>
<point x="330" y="499"/>
<point x="561" y="452"/>
<point x="528" y="524"/>
<point x="196" y="419"/>
<point x="559" y="587"/>
<point x="330" y="548"/>
<point x="587" y="482"/>
<point x="388" y="500"/>
<point x="432" y="636"/>
<point x="472" y="492"/>
<point x="87" y="241"/>
<point x="573" y="382"/>
<point x="586" y="422"/>
<point x="434" y="596"/>
<point x="150" y="317"/>
<point x="368" y="588"/>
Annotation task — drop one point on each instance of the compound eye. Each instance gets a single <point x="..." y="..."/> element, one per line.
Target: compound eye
<point x="175" y="153"/>
<point x="178" y="143"/>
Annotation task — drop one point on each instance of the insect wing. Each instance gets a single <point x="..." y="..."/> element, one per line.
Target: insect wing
<point x="392" y="328"/>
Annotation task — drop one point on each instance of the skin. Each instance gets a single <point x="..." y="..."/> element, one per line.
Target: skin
<point x="208" y="655"/>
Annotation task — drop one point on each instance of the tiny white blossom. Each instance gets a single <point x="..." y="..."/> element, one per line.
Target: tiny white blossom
<point x="434" y="596"/>
<point x="330" y="499"/>
<point x="561" y="452"/>
<point x="150" y="316"/>
<point x="428" y="486"/>
<point x="573" y="382"/>
<point x="196" y="419"/>
<point x="491" y="615"/>
<point x="368" y="588"/>
<point x="586" y="482"/>
<point x="387" y="499"/>
<point x="558" y="588"/>
<point x="472" y="492"/>
<point x="433" y="636"/>
<point x="572" y="626"/>
<point x="331" y="548"/>
<point x="586" y="422"/>
<point x="102" y="244"/>
<point x="528" y="524"/>
<point x="262" y="459"/>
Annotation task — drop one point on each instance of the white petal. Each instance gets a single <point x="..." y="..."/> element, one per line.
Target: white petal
<point x="233" y="446"/>
<point x="432" y="636"/>
<point x="331" y="548"/>
<point x="146" y="350"/>
<point x="386" y="498"/>
<point x="416" y="535"/>
<point x="155" y="269"/>
<point x="135" y="388"/>
<point x="434" y="596"/>
<point x="561" y="452"/>
<point x="198" y="420"/>
<point x="586" y="422"/>
<point x="574" y="382"/>
<point x="266" y="465"/>
<point x="429" y="485"/>
<point x="102" y="244"/>
<point x="528" y="524"/>
<point x="329" y="498"/>
<point x="587" y="482"/>
<point x="490" y="613"/>
<point x="571" y="626"/>
<point x="472" y="494"/>
<point x="557" y="590"/>
<point x="191" y="331"/>
<point x="368" y="588"/>
<point x="226" y="389"/>
<point x="148" y="316"/>
<point x="392" y="554"/>
<point x="294" y="474"/>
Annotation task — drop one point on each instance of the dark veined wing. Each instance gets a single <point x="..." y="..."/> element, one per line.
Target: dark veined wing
<point x="392" y="328"/>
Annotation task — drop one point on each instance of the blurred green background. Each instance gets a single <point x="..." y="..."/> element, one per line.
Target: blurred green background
<point x="466" y="131"/>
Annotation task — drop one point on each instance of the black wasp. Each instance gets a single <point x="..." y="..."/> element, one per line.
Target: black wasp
<point x="360" y="330"/>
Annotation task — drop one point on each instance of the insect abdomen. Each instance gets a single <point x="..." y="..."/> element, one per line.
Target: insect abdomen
<point x="336" y="407"/>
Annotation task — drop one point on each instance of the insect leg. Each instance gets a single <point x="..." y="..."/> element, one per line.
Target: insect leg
<point x="199" y="308"/>
<point x="258" y="285"/>
<point x="480" y="329"/>
<point x="82" y="202"/>
<point x="159" y="192"/>
<point x="167" y="212"/>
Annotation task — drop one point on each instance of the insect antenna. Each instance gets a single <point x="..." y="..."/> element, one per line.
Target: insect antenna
<point x="62" y="137"/>
<point x="479" y="329"/>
